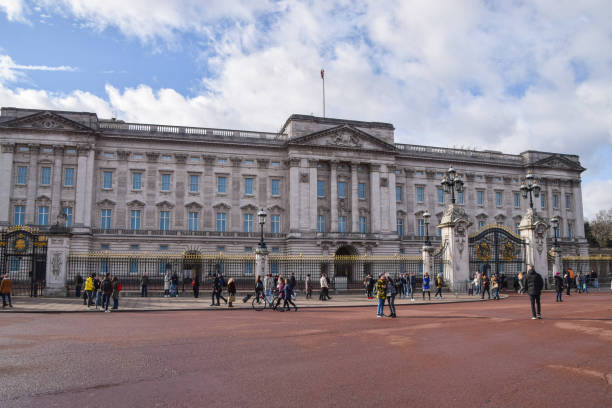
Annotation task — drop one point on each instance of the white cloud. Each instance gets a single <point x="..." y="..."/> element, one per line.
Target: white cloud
<point x="14" y="9"/>
<point x="10" y="71"/>
<point x="597" y="195"/>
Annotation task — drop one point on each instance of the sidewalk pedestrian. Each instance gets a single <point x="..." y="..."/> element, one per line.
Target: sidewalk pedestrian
<point x="144" y="284"/>
<point x="578" y="280"/>
<point x="195" y="284"/>
<point x="484" y="284"/>
<point x="586" y="281"/>
<point x="281" y="291"/>
<point x="521" y="283"/>
<point x="405" y="284"/>
<point x="167" y="284"/>
<point x="439" y="284"/>
<point x="413" y="284"/>
<point x="324" y="288"/>
<point x="308" y="287"/>
<point x="106" y="289"/>
<point x="174" y="285"/>
<point x="231" y="292"/>
<point x="97" y="282"/>
<point x="559" y="287"/>
<point x="426" y="282"/>
<point x="477" y="283"/>
<point x="370" y="286"/>
<point x="5" y="290"/>
<point x="78" y="284"/>
<point x="567" y="282"/>
<point x="269" y="288"/>
<point x="89" y="289"/>
<point x="288" y="289"/>
<point x="259" y="287"/>
<point x="116" y="290"/>
<point x="495" y="286"/>
<point x="533" y="285"/>
<point x="391" y="292"/>
<point x="381" y="295"/>
<point x="217" y="291"/>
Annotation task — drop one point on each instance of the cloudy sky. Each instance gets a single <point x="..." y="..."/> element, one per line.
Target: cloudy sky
<point x="485" y="74"/>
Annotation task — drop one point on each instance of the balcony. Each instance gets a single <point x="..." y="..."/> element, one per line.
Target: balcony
<point x="347" y="235"/>
<point x="185" y="233"/>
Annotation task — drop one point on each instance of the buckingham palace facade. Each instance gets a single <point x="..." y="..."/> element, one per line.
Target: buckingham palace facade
<point x="328" y="185"/>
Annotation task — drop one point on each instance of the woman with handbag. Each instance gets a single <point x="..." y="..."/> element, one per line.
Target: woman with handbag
<point x="231" y="292"/>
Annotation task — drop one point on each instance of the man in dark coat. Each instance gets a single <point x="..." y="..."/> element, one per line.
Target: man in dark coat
<point x="533" y="285"/>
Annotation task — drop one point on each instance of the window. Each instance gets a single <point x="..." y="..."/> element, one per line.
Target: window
<point x="22" y="175"/>
<point x="107" y="179"/>
<point x="165" y="182"/>
<point x="480" y="197"/>
<point x="163" y="247"/>
<point x="134" y="247"/>
<point x="248" y="222"/>
<point x="194" y="183"/>
<point x="568" y="202"/>
<point x="363" y="227"/>
<point x="137" y="156"/>
<point x="420" y="193"/>
<point x="498" y="198"/>
<point x="15" y="263"/>
<point x="361" y="190"/>
<point x="421" y="227"/>
<point x="136" y="181"/>
<point x="166" y="157"/>
<point x="193" y="221"/>
<point x="69" y="177"/>
<point x="275" y="224"/>
<point x="274" y="164"/>
<point x="221" y="187"/>
<point x="570" y="230"/>
<point x="194" y="159"/>
<point x="342" y="224"/>
<point x="440" y="196"/>
<point x="321" y="223"/>
<point x="45" y="176"/>
<point x="555" y="201"/>
<point x="558" y="231"/>
<point x="133" y="265"/>
<point x="398" y="193"/>
<point x="105" y="220"/>
<point x="220" y="249"/>
<point x="341" y="189"/>
<point x="164" y="220"/>
<point x="68" y="213"/>
<point x="248" y="264"/>
<point x="481" y="224"/>
<point x="516" y="228"/>
<point x="19" y="218"/>
<point x="248" y="185"/>
<point x="400" y="227"/>
<point x="460" y="197"/>
<point x="275" y="188"/>
<point x="249" y="162"/>
<point x="517" y="200"/>
<point x="135" y="219"/>
<point x="419" y="172"/>
<point x="221" y="218"/>
<point x="320" y="188"/>
<point x="109" y="155"/>
<point x="43" y="215"/>
<point x="543" y="199"/>
<point x="222" y="161"/>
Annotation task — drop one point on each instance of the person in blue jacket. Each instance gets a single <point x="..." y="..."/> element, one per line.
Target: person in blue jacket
<point x="426" y="281"/>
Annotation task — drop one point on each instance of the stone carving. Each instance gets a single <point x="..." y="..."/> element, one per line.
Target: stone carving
<point x="123" y="154"/>
<point x="181" y="158"/>
<point x="262" y="163"/>
<point x="56" y="264"/>
<point x="345" y="139"/>
<point x="384" y="182"/>
<point x="152" y="157"/>
<point x="8" y="148"/>
<point x="454" y="214"/>
<point x="304" y="177"/>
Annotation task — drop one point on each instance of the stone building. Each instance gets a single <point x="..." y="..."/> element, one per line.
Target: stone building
<point x="327" y="185"/>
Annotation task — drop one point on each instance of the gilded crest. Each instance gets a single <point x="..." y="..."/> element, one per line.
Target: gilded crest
<point x="508" y="251"/>
<point x="483" y="251"/>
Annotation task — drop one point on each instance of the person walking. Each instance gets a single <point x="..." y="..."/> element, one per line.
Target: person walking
<point x="391" y="292"/>
<point x="281" y="291"/>
<point x="5" y="290"/>
<point x="324" y="288"/>
<point x="167" y="284"/>
<point x="578" y="280"/>
<point x="521" y="283"/>
<point x="89" y="288"/>
<point x="381" y="295"/>
<point x="405" y="284"/>
<point x="106" y="288"/>
<point x="477" y="284"/>
<point x="269" y="288"/>
<point x="439" y="284"/>
<point x="288" y="289"/>
<point x="116" y="290"/>
<point x="585" y="282"/>
<point x="567" y="282"/>
<point x="495" y="286"/>
<point x="426" y="282"/>
<point x="174" y="285"/>
<point x="370" y="286"/>
<point x="78" y="284"/>
<point x="195" y="284"/>
<point x="217" y="290"/>
<point x="97" y="282"/>
<point x="231" y="292"/>
<point x="533" y="285"/>
<point x="413" y="283"/>
<point x="308" y="284"/>
<point x="484" y="284"/>
<point x="144" y="283"/>
<point x="259" y="287"/>
<point x="559" y="287"/>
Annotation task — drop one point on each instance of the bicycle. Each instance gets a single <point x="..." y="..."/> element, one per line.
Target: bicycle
<point x="260" y="302"/>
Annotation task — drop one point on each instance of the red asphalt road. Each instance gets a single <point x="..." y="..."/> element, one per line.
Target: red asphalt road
<point x="487" y="354"/>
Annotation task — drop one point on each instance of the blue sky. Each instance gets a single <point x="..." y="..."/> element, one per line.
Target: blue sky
<point x="500" y="75"/>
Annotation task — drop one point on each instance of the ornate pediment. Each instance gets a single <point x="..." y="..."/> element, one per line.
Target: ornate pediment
<point x="249" y="208"/>
<point x="276" y="209"/>
<point x="135" y="203"/>
<point x="221" y="206"/>
<point x="46" y="121"/>
<point x="343" y="137"/>
<point x="106" y="203"/>
<point x="193" y="205"/>
<point x="556" y="161"/>
<point x="165" y="204"/>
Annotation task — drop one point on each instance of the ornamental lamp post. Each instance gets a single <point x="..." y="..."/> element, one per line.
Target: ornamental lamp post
<point x="452" y="182"/>
<point x="530" y="187"/>
<point x="426" y="217"/>
<point x="555" y="224"/>
<point x="261" y="216"/>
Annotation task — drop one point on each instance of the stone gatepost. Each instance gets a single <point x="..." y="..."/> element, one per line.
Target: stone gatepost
<point x="261" y="262"/>
<point x="533" y="230"/>
<point x="58" y="248"/>
<point x="557" y="261"/>
<point x="454" y="225"/>
<point x="428" y="262"/>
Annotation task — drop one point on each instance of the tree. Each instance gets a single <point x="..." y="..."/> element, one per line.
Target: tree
<point x="601" y="228"/>
<point x="589" y="236"/>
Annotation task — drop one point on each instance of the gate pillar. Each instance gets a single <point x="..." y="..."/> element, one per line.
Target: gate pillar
<point x="533" y="230"/>
<point x="557" y="265"/>
<point x="428" y="261"/>
<point x="261" y="263"/>
<point x="58" y="247"/>
<point x="454" y="225"/>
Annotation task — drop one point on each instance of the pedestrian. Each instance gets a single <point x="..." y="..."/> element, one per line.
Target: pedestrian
<point x="406" y="284"/>
<point x="477" y="283"/>
<point x="231" y="292"/>
<point x="292" y="281"/>
<point x="259" y="288"/>
<point x="78" y="284"/>
<point x="594" y="279"/>
<point x="399" y="286"/>
<point x="585" y="282"/>
<point x="521" y="283"/>
<point x="568" y="282"/>
<point x="5" y="290"/>
<point x="324" y="288"/>
<point x="195" y="284"/>
<point x="97" y="282"/>
<point x="439" y="284"/>
<point x="167" y="284"/>
<point x="559" y="287"/>
<point x="370" y="286"/>
<point x="533" y="285"/>
<point x="217" y="291"/>
<point x="578" y="280"/>
<point x="426" y="282"/>
<point x="116" y="290"/>
<point x="174" y="285"/>
<point x="106" y="288"/>
<point x="281" y="291"/>
<point x="495" y="286"/>
<point x="391" y="292"/>
<point x="144" y="283"/>
<point x="89" y="289"/>
<point x="327" y="290"/>
<point x="308" y="287"/>
<point x="484" y="284"/>
<point x="381" y="295"/>
<point x="269" y="287"/>
<point x="288" y="289"/>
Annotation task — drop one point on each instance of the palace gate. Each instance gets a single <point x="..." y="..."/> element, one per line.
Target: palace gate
<point x="499" y="250"/>
<point x="23" y="256"/>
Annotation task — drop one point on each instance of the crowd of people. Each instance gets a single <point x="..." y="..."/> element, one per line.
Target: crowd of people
<point x="99" y="292"/>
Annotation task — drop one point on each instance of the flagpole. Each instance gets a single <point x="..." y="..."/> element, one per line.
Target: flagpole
<point x="323" y="78"/>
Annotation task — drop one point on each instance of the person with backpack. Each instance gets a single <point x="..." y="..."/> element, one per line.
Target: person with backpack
<point x="534" y="285"/>
<point x="559" y="287"/>
<point x="426" y="281"/>
<point x="218" y="290"/>
<point x="106" y="288"/>
<point x="144" y="284"/>
<point x="117" y="287"/>
<point x="485" y="288"/>
<point x="231" y="293"/>
<point x="288" y="289"/>
<point x="439" y="283"/>
<point x="381" y="295"/>
<point x="391" y="292"/>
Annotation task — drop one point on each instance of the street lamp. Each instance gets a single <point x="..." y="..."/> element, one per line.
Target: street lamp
<point x="426" y="217"/>
<point x="530" y="186"/>
<point x="555" y="224"/>
<point x="452" y="182"/>
<point x="261" y="216"/>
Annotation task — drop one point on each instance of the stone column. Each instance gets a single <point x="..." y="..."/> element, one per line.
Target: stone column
<point x="32" y="187"/>
<point x="578" y="211"/>
<point x="354" y="198"/>
<point x="333" y="195"/>
<point x="312" y="197"/>
<point x="6" y="181"/>
<point x="261" y="262"/>
<point x="375" y="197"/>
<point x="454" y="225"/>
<point x="392" y="218"/>
<point x="428" y="262"/>
<point x="294" y="195"/>
<point x="81" y="188"/>
<point x="533" y="230"/>
<point x="57" y="263"/>
<point x="56" y="186"/>
<point x="557" y="262"/>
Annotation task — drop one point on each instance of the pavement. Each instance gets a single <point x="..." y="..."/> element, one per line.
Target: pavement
<point x="24" y="304"/>
<point x="469" y="354"/>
